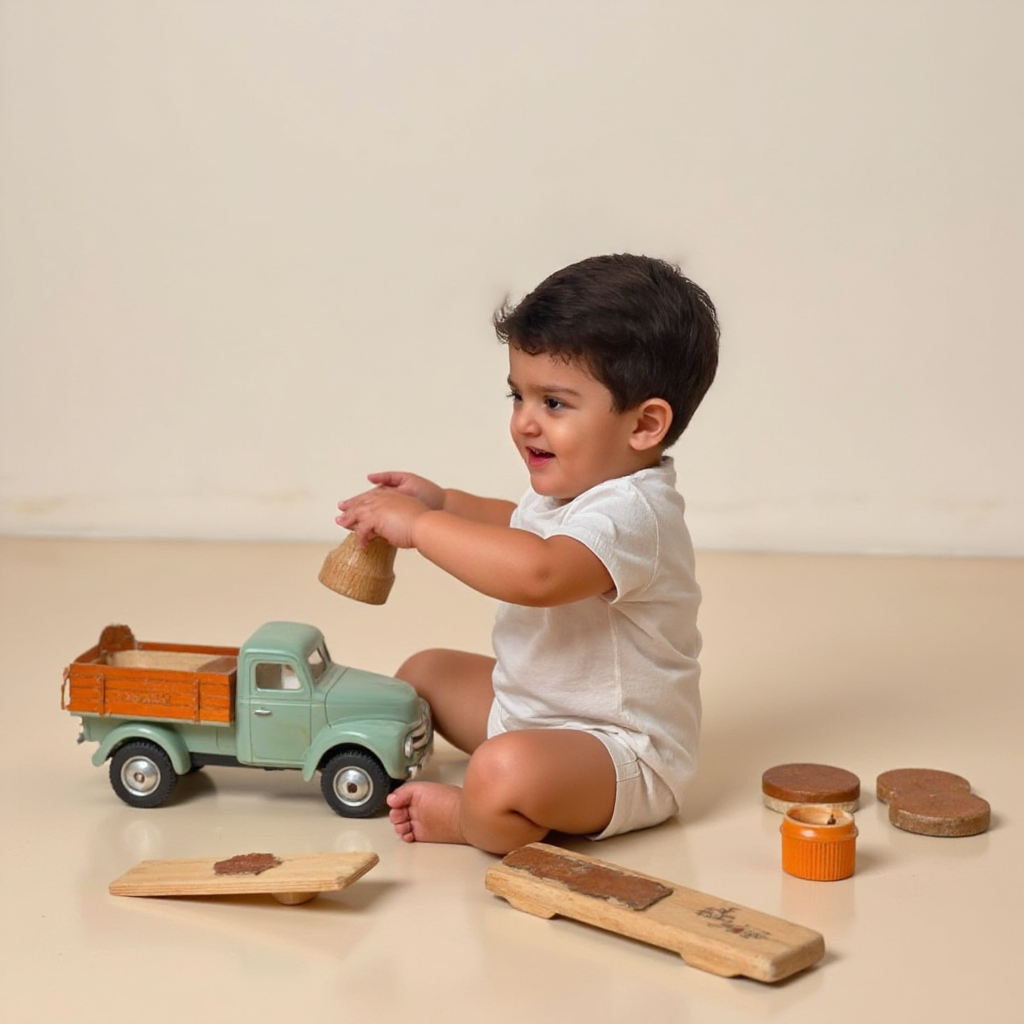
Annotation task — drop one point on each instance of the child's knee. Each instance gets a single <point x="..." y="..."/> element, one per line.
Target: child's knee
<point x="499" y="777"/>
<point x="420" y="670"/>
<point x="558" y="779"/>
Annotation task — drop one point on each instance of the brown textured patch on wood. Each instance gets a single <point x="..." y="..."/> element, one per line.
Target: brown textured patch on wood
<point x="589" y="879"/>
<point x="247" y="864"/>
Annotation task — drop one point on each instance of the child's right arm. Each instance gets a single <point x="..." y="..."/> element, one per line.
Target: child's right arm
<point x="486" y="554"/>
<point x="494" y="511"/>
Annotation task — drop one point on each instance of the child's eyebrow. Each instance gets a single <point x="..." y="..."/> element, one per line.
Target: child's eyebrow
<point x="546" y="389"/>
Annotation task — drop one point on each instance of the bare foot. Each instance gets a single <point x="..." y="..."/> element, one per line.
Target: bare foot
<point x="426" y="812"/>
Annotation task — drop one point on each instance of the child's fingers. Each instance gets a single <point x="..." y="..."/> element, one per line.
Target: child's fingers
<point x="358" y="499"/>
<point x="389" y="478"/>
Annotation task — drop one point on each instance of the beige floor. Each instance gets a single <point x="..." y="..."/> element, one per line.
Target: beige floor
<point x="869" y="664"/>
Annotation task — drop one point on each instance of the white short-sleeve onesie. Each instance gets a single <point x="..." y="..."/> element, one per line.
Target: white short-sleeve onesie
<point x="622" y="665"/>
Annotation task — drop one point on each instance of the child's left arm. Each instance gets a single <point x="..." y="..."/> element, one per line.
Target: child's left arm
<point x="499" y="561"/>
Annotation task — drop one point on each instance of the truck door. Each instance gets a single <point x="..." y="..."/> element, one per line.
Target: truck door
<point x="280" y="714"/>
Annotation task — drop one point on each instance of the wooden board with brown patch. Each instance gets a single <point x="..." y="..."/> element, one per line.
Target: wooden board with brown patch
<point x="290" y="878"/>
<point x="709" y="933"/>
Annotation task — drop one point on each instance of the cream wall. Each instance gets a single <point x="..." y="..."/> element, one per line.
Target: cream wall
<point x="249" y="252"/>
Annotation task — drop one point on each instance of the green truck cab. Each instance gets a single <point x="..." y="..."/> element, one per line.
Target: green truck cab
<point x="158" y="711"/>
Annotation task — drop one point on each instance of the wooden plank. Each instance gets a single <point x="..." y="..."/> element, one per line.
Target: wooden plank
<point x="709" y="933"/>
<point x="294" y="878"/>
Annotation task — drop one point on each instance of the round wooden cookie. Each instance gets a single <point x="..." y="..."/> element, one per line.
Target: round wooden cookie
<point x="787" y="785"/>
<point x="954" y="813"/>
<point x="890" y="785"/>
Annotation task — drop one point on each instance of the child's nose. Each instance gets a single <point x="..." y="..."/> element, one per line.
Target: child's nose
<point x="523" y="419"/>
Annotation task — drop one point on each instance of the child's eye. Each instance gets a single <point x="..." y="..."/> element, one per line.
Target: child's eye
<point x="514" y="395"/>
<point x="554" y="403"/>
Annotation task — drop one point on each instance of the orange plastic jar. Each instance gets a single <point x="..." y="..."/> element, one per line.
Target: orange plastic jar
<point x="818" y="842"/>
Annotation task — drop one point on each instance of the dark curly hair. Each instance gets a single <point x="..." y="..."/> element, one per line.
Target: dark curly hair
<point x="641" y="327"/>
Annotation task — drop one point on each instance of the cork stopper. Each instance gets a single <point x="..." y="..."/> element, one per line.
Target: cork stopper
<point x="362" y="573"/>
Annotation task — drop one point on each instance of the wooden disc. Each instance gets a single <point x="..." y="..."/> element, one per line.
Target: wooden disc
<point x="891" y="784"/>
<point x="787" y="785"/>
<point x="953" y="813"/>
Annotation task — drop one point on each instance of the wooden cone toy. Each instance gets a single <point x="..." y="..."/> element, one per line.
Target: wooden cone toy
<point x="362" y="573"/>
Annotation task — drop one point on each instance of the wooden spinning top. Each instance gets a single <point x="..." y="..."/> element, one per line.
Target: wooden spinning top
<point x="362" y="573"/>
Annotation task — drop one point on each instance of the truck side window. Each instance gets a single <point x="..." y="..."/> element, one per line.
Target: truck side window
<point x="275" y="676"/>
<point x="317" y="664"/>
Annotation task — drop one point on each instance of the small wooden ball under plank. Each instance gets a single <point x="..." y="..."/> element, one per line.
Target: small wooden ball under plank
<point x="789" y="785"/>
<point x="293" y="879"/>
<point x="709" y="933"/>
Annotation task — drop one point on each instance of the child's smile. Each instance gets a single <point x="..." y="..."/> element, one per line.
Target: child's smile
<point x="565" y="427"/>
<point x="537" y="457"/>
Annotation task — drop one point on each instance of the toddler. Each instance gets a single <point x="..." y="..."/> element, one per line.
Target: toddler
<point x="586" y="720"/>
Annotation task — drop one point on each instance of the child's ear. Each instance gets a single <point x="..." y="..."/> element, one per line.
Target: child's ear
<point x="653" y="418"/>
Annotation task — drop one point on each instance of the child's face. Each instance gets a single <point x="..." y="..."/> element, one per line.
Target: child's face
<point x="565" y="427"/>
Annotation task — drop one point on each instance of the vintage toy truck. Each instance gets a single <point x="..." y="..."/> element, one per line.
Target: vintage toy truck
<point x="160" y="710"/>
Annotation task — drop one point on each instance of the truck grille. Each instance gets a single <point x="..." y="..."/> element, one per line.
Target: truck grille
<point x="422" y="735"/>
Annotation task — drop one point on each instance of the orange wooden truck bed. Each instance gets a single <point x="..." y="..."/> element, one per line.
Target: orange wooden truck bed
<point x="121" y="676"/>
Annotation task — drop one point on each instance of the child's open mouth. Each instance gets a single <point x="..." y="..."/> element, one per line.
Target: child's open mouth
<point x="537" y="456"/>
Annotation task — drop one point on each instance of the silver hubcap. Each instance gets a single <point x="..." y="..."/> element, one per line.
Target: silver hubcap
<point x="353" y="786"/>
<point x="140" y="776"/>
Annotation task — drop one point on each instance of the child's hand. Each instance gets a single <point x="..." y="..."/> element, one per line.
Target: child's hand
<point x="383" y="512"/>
<point x="408" y="483"/>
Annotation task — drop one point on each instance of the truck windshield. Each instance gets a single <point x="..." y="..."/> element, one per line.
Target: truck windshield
<point x="318" y="662"/>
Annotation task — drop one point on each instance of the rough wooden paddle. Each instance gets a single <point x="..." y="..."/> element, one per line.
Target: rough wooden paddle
<point x="710" y="933"/>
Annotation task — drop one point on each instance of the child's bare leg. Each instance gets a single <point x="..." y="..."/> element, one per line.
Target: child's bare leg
<point x="457" y="686"/>
<point x="519" y="786"/>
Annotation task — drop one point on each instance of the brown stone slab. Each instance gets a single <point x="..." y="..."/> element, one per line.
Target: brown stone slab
<point x="890" y="784"/>
<point x="940" y="814"/>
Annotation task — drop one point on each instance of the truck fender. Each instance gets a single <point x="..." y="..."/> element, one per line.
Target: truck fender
<point x="166" y="738"/>
<point x="389" y="752"/>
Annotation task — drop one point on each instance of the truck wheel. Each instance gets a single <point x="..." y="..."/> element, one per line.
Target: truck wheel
<point x="141" y="774"/>
<point x="355" y="784"/>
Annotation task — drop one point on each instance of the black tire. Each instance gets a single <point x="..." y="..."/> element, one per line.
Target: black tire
<point x="354" y="784"/>
<point x="142" y="775"/>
